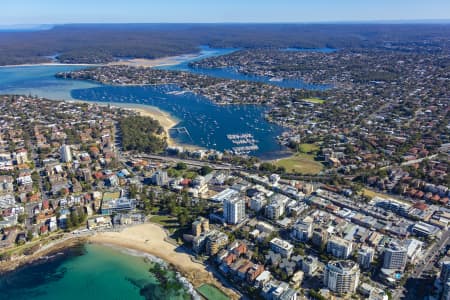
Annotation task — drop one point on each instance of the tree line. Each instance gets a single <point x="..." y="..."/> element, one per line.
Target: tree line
<point x="95" y="43"/>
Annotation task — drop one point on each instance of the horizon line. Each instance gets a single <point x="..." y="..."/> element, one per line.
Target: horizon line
<point x="362" y="22"/>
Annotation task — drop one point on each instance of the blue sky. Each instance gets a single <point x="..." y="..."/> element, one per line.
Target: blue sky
<point x="151" y="11"/>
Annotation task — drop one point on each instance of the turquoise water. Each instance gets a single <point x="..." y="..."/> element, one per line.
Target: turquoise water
<point x="40" y="81"/>
<point x="89" y="272"/>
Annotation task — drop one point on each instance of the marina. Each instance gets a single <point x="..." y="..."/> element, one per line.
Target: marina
<point x="246" y="141"/>
<point x="244" y="150"/>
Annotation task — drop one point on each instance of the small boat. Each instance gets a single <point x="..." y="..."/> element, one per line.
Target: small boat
<point x="276" y="79"/>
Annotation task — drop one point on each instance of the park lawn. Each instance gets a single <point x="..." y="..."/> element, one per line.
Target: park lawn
<point x="308" y="148"/>
<point x="300" y="163"/>
<point x="314" y="100"/>
<point x="171" y="225"/>
<point x="168" y="222"/>
<point x="210" y="292"/>
<point x="182" y="173"/>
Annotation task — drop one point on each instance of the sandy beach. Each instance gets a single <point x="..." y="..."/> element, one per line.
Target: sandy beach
<point x="133" y="62"/>
<point x="166" y="120"/>
<point x="150" y="238"/>
<point x="157" y="62"/>
<point x="145" y="238"/>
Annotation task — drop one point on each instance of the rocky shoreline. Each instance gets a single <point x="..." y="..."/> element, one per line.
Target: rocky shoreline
<point x="165" y="265"/>
<point x="43" y="253"/>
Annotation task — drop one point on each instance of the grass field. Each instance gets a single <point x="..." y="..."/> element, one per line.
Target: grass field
<point x="182" y="173"/>
<point x="210" y="292"/>
<point x="314" y="100"/>
<point x="300" y="163"/>
<point x="168" y="222"/>
<point x="171" y="225"/>
<point x="308" y="148"/>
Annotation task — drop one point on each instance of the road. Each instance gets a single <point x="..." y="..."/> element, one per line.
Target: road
<point x="416" y="161"/>
<point x="425" y="264"/>
<point x="191" y="162"/>
<point x="431" y="254"/>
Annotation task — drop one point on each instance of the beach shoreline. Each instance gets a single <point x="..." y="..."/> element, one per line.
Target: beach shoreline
<point x="166" y="120"/>
<point x="155" y="62"/>
<point x="152" y="239"/>
<point x="132" y="62"/>
<point x="146" y="239"/>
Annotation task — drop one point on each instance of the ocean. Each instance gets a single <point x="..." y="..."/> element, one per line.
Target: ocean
<point x="92" y="272"/>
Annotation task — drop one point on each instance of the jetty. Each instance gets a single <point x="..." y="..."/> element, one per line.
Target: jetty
<point x="181" y="130"/>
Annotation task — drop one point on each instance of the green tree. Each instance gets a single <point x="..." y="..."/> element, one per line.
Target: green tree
<point x="21" y="218"/>
<point x="183" y="218"/>
<point x="181" y="166"/>
<point x="205" y="170"/>
<point x="142" y="134"/>
<point x="267" y="167"/>
<point x="29" y="235"/>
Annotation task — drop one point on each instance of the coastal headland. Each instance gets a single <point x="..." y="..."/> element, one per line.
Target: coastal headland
<point x="166" y="120"/>
<point x="47" y="249"/>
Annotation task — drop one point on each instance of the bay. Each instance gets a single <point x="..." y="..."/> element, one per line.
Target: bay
<point x="206" y="123"/>
<point x="232" y="73"/>
<point x="89" y="272"/>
